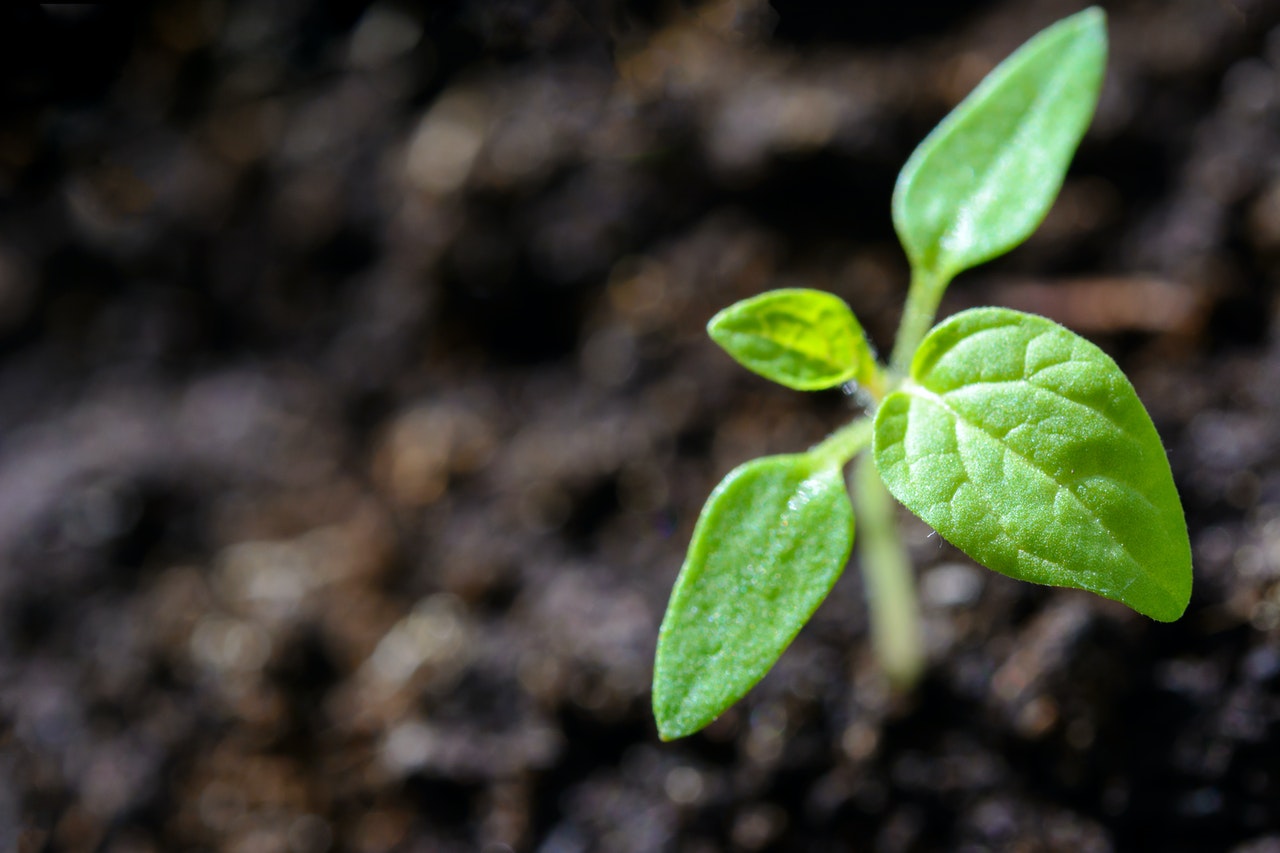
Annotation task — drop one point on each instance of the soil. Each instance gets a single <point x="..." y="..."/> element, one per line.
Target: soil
<point x="355" y="410"/>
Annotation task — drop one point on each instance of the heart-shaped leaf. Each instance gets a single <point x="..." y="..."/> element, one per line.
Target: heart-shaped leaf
<point x="771" y="540"/>
<point x="983" y="180"/>
<point x="1026" y="447"/>
<point x="804" y="339"/>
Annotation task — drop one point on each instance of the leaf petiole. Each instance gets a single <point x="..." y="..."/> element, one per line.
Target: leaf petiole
<point x="918" y="313"/>
<point x="837" y="449"/>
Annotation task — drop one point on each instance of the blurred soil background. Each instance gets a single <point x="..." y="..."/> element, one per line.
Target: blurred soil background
<point x="355" y="410"/>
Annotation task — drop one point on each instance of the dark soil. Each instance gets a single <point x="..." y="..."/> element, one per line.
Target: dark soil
<point x="355" y="411"/>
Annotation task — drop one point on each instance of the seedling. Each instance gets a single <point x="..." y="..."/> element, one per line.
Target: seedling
<point x="1021" y="443"/>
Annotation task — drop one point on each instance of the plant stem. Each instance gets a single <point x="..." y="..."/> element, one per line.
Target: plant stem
<point x="896" y="632"/>
<point x="886" y="571"/>
<point x="917" y="316"/>
<point x="842" y="445"/>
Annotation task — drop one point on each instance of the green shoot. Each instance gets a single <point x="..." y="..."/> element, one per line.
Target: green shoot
<point x="1020" y="442"/>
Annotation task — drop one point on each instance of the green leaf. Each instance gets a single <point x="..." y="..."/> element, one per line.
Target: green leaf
<point x="1026" y="447"/>
<point x="804" y="339"/>
<point x="984" y="179"/>
<point x="771" y="540"/>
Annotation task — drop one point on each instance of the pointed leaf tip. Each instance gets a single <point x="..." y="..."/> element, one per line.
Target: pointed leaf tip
<point x="985" y="178"/>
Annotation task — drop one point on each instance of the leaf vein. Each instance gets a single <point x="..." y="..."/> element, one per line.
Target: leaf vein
<point x="957" y="419"/>
<point x="1054" y="392"/>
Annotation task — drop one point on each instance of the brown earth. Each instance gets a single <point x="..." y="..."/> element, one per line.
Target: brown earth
<point x="355" y="410"/>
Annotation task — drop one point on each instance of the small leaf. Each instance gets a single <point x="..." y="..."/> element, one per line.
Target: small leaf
<point x="1025" y="446"/>
<point x="771" y="540"/>
<point x="804" y="339"/>
<point x="984" y="179"/>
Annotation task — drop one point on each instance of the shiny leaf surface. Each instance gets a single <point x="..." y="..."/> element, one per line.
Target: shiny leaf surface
<point x="771" y="540"/>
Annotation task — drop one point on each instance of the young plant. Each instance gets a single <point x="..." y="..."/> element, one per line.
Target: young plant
<point x="1020" y="442"/>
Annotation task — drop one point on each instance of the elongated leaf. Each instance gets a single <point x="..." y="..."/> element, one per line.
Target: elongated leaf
<point x="771" y="540"/>
<point x="804" y="339"/>
<point x="1026" y="447"/>
<point x="984" y="179"/>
